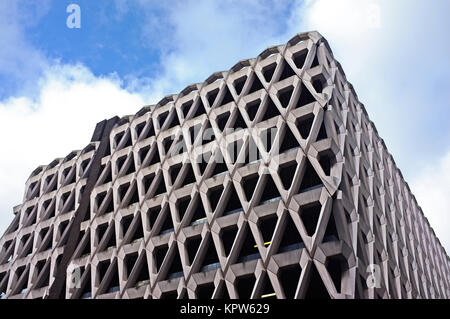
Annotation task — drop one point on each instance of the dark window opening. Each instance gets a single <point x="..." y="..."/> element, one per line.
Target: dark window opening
<point x="162" y="118"/>
<point x="326" y="163"/>
<point x="193" y="132"/>
<point x="199" y="214"/>
<point x="113" y="285"/>
<point x="271" y="110"/>
<point x="123" y="189"/>
<point x="210" y="257"/>
<point x="249" y="250"/>
<point x="249" y="185"/>
<point x="102" y="268"/>
<point x="200" y="108"/>
<point x="335" y="266"/>
<point x="287" y="172"/>
<point x="256" y="85"/>
<point x="322" y="132"/>
<point x="143" y="152"/>
<point x="130" y="261"/>
<point x="211" y="96"/>
<point x="160" y="253"/>
<point x="289" y="141"/>
<point x="291" y="239"/>
<point x="316" y="60"/>
<point x="203" y="162"/>
<point x="244" y="286"/>
<point x="267" y="291"/>
<point x="284" y="96"/>
<point x="139" y="128"/>
<point x="214" y="196"/>
<point x="228" y="235"/>
<point x="167" y="226"/>
<point x="222" y="120"/>
<point x="174" y="171"/>
<point x="189" y="176"/>
<point x="208" y="134"/>
<point x="120" y="162"/>
<point x="270" y="191"/>
<point x="310" y="178"/>
<point x="252" y="109"/>
<point x="205" y="291"/>
<point x="182" y="205"/>
<point x="239" y="122"/>
<point x="138" y="233"/>
<point x="287" y="72"/>
<point x="233" y="203"/>
<point x="268" y="71"/>
<point x="305" y="97"/>
<point x="318" y="85"/>
<point x="227" y="98"/>
<point x="289" y="277"/>
<point x="253" y="154"/>
<point x="167" y="143"/>
<point x="152" y="215"/>
<point x="331" y="233"/>
<point x="316" y="288"/>
<point x="268" y="137"/>
<point x="239" y="84"/>
<point x="304" y="125"/>
<point x="143" y="272"/>
<point x="176" y="269"/>
<point x="310" y="216"/>
<point x="118" y="138"/>
<point x="185" y="108"/>
<point x="154" y="158"/>
<point x="87" y="245"/>
<point x="300" y="58"/>
<point x="234" y="149"/>
<point x="147" y="181"/>
<point x="266" y="226"/>
<point x="174" y="122"/>
<point x="161" y="187"/>
<point x="192" y="245"/>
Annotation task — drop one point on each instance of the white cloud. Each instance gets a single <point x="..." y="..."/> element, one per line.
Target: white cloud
<point x="431" y="188"/>
<point x="62" y="118"/>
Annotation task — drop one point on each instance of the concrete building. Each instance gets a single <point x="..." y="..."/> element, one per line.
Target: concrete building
<point x="265" y="181"/>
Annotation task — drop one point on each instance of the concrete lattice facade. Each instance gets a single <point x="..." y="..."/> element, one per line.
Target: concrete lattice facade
<point x="321" y="211"/>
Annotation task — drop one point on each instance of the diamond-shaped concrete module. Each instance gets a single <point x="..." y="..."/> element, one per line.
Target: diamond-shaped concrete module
<point x="265" y="181"/>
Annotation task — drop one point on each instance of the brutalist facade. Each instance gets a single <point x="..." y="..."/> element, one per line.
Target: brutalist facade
<point x="265" y="181"/>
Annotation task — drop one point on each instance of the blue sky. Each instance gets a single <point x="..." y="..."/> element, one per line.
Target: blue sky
<point x="130" y="53"/>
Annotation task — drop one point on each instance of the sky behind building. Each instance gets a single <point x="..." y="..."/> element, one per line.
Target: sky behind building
<point x="56" y="83"/>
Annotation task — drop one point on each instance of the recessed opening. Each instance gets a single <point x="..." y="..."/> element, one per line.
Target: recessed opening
<point x="228" y="235"/>
<point x="205" y="291"/>
<point x="252" y="109"/>
<point x="239" y="84"/>
<point x="284" y="96"/>
<point x="159" y="254"/>
<point x="214" y="195"/>
<point x="152" y="215"/>
<point x="186" y="107"/>
<point x="286" y="172"/>
<point x="300" y="58"/>
<point x="270" y="192"/>
<point x="256" y="85"/>
<point x="244" y="286"/>
<point x="233" y="203"/>
<point x="310" y="216"/>
<point x="266" y="226"/>
<point x="336" y="266"/>
<point x="304" y="125"/>
<point x="234" y="149"/>
<point x="182" y="205"/>
<point x="249" y="250"/>
<point x="210" y="258"/>
<point x="162" y="118"/>
<point x="305" y="97"/>
<point x="222" y="120"/>
<point x="271" y="110"/>
<point x="192" y="245"/>
<point x="176" y="269"/>
<point x="249" y="185"/>
<point x="174" y="171"/>
<point x="211" y="96"/>
<point x="310" y="178"/>
<point x="316" y="289"/>
<point x="287" y="71"/>
<point x="268" y="71"/>
<point x="291" y="239"/>
<point x="289" y="277"/>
